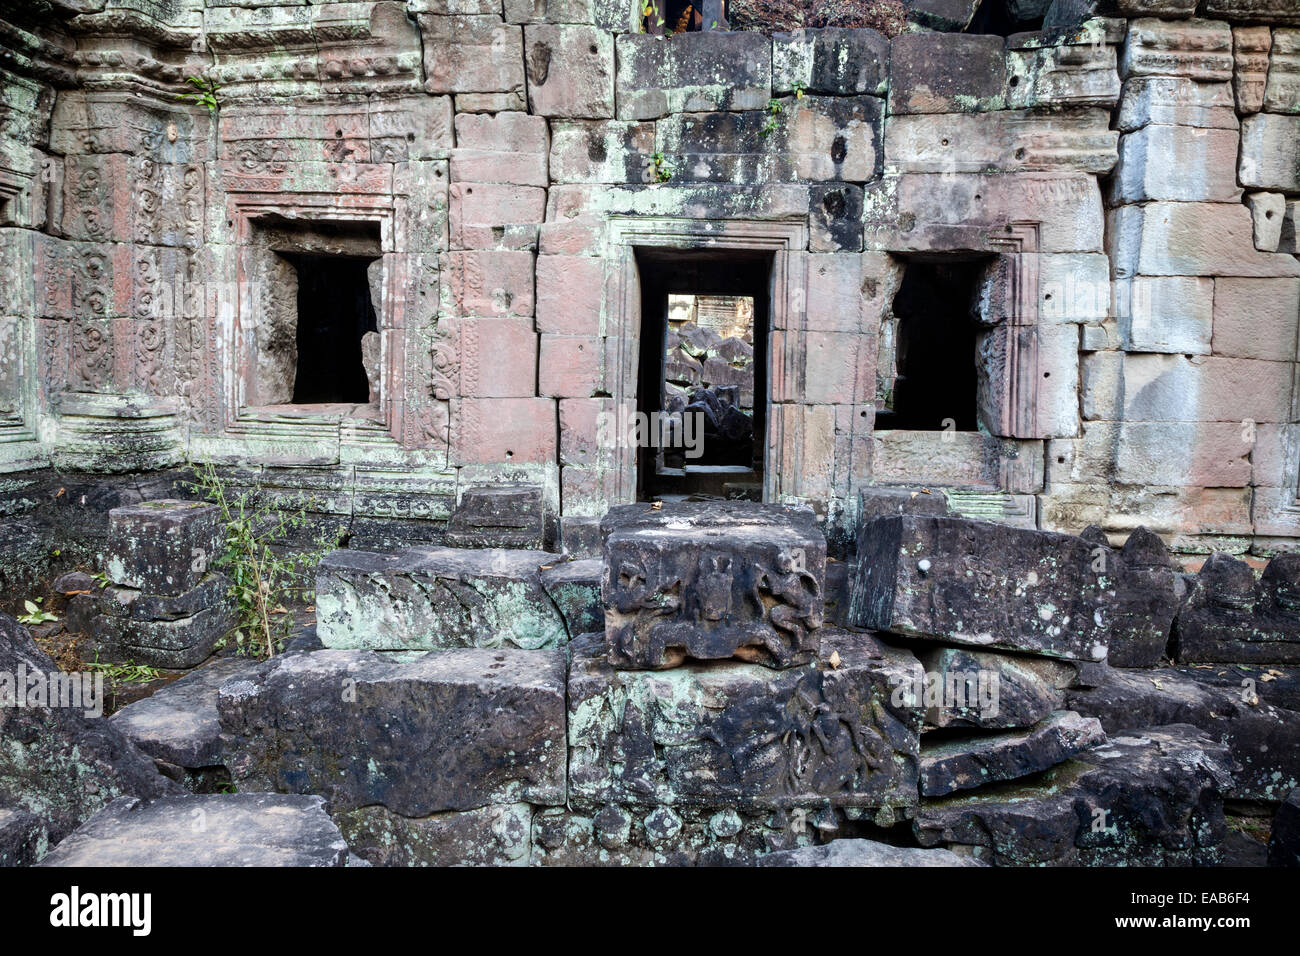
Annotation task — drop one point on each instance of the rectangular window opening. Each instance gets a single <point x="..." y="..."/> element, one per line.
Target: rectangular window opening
<point x="935" y="384"/>
<point x="337" y="333"/>
<point x="702" y="384"/>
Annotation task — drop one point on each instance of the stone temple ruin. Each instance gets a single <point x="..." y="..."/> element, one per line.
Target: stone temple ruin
<point x="743" y="433"/>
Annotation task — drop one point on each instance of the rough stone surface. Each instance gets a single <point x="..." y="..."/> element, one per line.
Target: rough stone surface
<point x="976" y="583"/>
<point x="23" y="839"/>
<point x="56" y="762"/>
<point x="1284" y="840"/>
<point x="574" y="586"/>
<point x="742" y="734"/>
<point x="1264" y="740"/>
<point x="848" y="852"/>
<point x="964" y="763"/>
<point x="712" y="581"/>
<point x="161" y="547"/>
<point x="1229" y="617"/>
<point x="967" y="688"/>
<point x="488" y="836"/>
<point x="229" y="829"/>
<point x="451" y="730"/>
<point x="178" y="723"/>
<point x="1146" y="798"/>
<point x="432" y="598"/>
<point x="502" y="516"/>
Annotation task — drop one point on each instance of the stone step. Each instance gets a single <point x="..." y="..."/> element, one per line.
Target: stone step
<point x="235" y="829"/>
<point x="967" y="762"/>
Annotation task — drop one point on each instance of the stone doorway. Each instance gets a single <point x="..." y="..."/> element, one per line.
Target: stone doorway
<point x="702" y="390"/>
<point x="336" y="334"/>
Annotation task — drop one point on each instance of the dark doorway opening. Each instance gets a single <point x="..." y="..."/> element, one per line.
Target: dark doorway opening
<point x="335" y="312"/>
<point x="936" y="384"/>
<point x="1006" y="17"/>
<point x="702" y="377"/>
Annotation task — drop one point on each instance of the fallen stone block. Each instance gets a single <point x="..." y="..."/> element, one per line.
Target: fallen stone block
<point x="1228" y="617"/>
<point x="488" y="836"/>
<point x="983" y="690"/>
<point x="619" y="835"/>
<point x="436" y="598"/>
<point x="1263" y="740"/>
<point x="976" y="583"/>
<point x="1272" y="684"/>
<point x="1146" y="597"/>
<point x="23" y="838"/>
<point x="178" y="725"/>
<point x="574" y="586"/>
<point x="498" y="516"/>
<point x="161" y="547"/>
<point x="741" y="735"/>
<point x="864" y="853"/>
<point x="178" y="644"/>
<point x="450" y="730"/>
<point x="711" y="581"/>
<point x="58" y="762"/>
<point x="1147" y="798"/>
<point x="963" y="763"/>
<point x="228" y="829"/>
<point x="1284" y="841"/>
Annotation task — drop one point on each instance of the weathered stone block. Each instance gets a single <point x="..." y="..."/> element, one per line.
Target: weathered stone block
<point x="570" y="295"/>
<point x="1229" y="617"/>
<point x="1197" y="49"/>
<point x="963" y="763"/>
<point x="1179" y="163"/>
<point x="692" y="72"/>
<point x="976" y="583"/>
<point x="495" y="216"/>
<point x="228" y="829"/>
<point x="488" y="836"/>
<point x="59" y="761"/>
<point x="180" y="642"/>
<point x="952" y="16"/>
<point x="1268" y="211"/>
<point x="857" y="852"/>
<point x="1270" y="152"/>
<point x="1175" y="101"/>
<point x="433" y="598"/>
<point x="1256" y="318"/>
<point x="498" y="355"/>
<point x="1156" y="794"/>
<point x="495" y="283"/>
<point x="451" y="730"/>
<point x="571" y="366"/>
<point x="1147" y="599"/>
<point x="989" y="691"/>
<point x="471" y="54"/>
<point x="499" y="516"/>
<point x="1004" y="141"/>
<point x="1189" y="239"/>
<point x="23" y="839"/>
<point x="509" y="147"/>
<point x="574" y="586"/>
<point x="1165" y="313"/>
<point x="611" y="151"/>
<point x="1078" y="73"/>
<point x="1282" y="95"/>
<point x="161" y="547"/>
<point x="835" y="218"/>
<point x="570" y="71"/>
<point x="739" y="735"/>
<point x="1263" y="740"/>
<point x="1253" y="11"/>
<point x="948" y="73"/>
<point x="832" y="61"/>
<point x="488" y="431"/>
<point x="1250" y="46"/>
<point x="712" y="581"/>
<point x="178" y="724"/>
<point x="1284" y="839"/>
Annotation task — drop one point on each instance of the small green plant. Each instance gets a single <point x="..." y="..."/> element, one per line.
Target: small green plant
<point x="663" y="170"/>
<point x="799" y="90"/>
<point x="205" y="92"/>
<point x="102" y="580"/>
<point x="266" y="580"/>
<point x="773" y="111"/>
<point x="35" y="615"/>
<point x="128" y="673"/>
<point x="225" y="786"/>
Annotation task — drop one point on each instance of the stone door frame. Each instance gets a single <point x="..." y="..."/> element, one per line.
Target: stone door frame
<point x="785" y="239"/>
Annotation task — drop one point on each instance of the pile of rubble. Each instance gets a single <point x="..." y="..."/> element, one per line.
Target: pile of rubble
<point x="685" y="699"/>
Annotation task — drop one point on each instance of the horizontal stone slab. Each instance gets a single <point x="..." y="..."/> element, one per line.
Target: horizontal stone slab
<point x="739" y="734"/>
<point x="964" y="763"/>
<point x="984" y="690"/>
<point x="436" y="598"/>
<point x="488" y="836"/>
<point x="850" y="852"/>
<point x="450" y="730"/>
<point x="976" y="583"/>
<point x="228" y="829"/>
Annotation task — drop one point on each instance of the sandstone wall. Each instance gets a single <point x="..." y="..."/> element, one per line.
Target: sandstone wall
<point x="1130" y="186"/>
